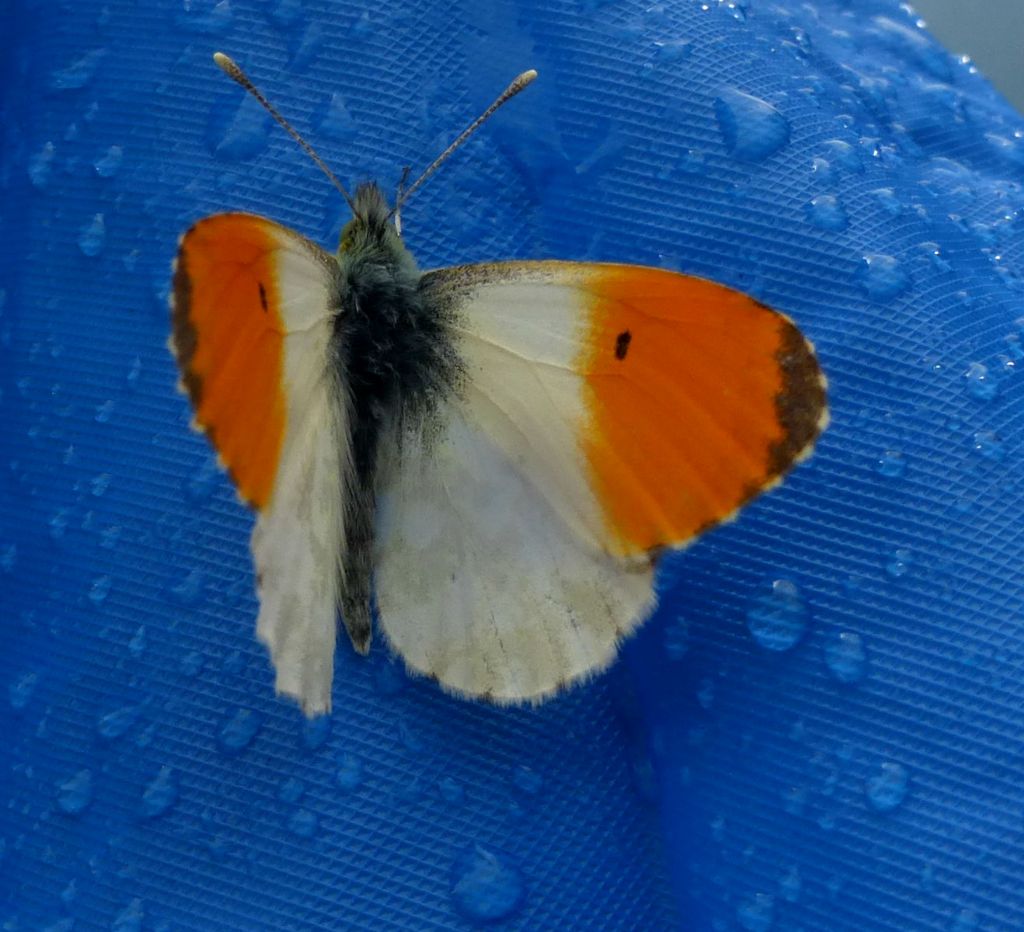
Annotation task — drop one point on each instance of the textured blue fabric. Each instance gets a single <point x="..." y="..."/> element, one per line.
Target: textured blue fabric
<point x="821" y="728"/>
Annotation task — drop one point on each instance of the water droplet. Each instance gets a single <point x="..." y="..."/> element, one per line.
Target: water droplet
<point x="130" y="918"/>
<point x="79" y="73"/>
<point x="485" y="886"/>
<point x="933" y="252"/>
<point x="205" y="17"/>
<point x="75" y="794"/>
<point x="349" y="774"/>
<point x="529" y="781"/>
<point x="100" y="484"/>
<point x="826" y="213"/>
<point x="20" y="690"/>
<point x="989" y="445"/>
<point x="912" y="46"/>
<point x="891" y="464"/>
<point x="822" y="171"/>
<point x="795" y="800"/>
<point x="238" y="731"/>
<point x="145" y="737"/>
<point x="738" y="9"/>
<point x="410" y="738"/>
<point x="104" y="412"/>
<point x="332" y="120"/>
<point x="137" y="645"/>
<point x="882" y="278"/>
<point x="189" y="591"/>
<point x="843" y="154"/>
<point x="59" y="524"/>
<point x="752" y="128"/>
<point x="116" y="723"/>
<point x="389" y="678"/>
<point x="316" y="731"/>
<point x="887" y="200"/>
<point x="109" y="164"/>
<point x="70" y="893"/>
<point x="192" y="663"/>
<point x="789" y="886"/>
<point x="303" y="823"/>
<point x="308" y="48"/>
<point x="899" y="563"/>
<point x="778" y="620"/>
<point x="451" y="791"/>
<point x="160" y="795"/>
<point x="966" y="920"/>
<point x="844" y="655"/>
<point x="677" y="638"/>
<point x="92" y="236"/>
<point x="980" y="383"/>
<point x="756" y="913"/>
<point x="203" y="481"/>
<point x="99" y="590"/>
<point x="238" y="132"/>
<point x="673" y="51"/>
<point x="232" y="663"/>
<point x="887" y="788"/>
<point x="691" y="162"/>
<point x="291" y="790"/>
<point x="40" y="166"/>
<point x="132" y="379"/>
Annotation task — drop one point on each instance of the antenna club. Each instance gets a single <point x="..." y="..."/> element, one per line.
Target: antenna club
<point x="224" y="62"/>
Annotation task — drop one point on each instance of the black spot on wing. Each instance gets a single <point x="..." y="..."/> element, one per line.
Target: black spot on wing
<point x="263" y="298"/>
<point x="622" y="342"/>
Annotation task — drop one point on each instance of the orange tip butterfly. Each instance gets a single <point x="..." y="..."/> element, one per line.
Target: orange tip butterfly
<point x="498" y="453"/>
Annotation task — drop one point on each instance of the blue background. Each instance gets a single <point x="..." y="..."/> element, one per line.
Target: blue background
<point x="827" y="157"/>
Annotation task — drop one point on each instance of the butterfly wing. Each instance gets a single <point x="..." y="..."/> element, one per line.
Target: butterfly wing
<point x="252" y="315"/>
<point x="606" y="413"/>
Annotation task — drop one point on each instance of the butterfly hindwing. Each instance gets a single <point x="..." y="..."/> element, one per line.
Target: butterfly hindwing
<point x="252" y="316"/>
<point x="479" y="584"/>
<point x="606" y="413"/>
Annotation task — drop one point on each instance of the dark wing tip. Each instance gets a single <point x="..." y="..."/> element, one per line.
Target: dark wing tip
<point x="183" y="332"/>
<point x="801" y="405"/>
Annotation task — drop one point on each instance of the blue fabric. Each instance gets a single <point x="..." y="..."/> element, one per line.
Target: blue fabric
<point x="821" y="726"/>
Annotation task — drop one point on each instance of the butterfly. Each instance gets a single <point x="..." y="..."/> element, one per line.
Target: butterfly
<point x="496" y="454"/>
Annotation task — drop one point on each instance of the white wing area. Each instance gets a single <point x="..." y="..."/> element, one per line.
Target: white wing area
<point x="297" y="547"/>
<point x="479" y="582"/>
<point x="492" y="575"/>
<point x="299" y="538"/>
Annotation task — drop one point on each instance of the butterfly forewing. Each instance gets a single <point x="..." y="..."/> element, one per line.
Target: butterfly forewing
<point x="607" y="413"/>
<point x="252" y="314"/>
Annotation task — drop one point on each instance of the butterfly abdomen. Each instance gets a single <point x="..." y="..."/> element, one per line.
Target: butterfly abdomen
<point x="397" y="359"/>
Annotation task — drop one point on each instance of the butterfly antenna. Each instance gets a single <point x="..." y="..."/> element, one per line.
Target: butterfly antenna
<point x="520" y="83"/>
<point x="398" y="198"/>
<point x="231" y="69"/>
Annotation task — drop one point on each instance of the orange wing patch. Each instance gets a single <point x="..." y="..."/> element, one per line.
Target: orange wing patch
<point x="698" y="398"/>
<point x="229" y="341"/>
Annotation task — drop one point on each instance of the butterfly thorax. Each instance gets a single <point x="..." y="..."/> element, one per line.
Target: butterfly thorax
<point x="393" y="344"/>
